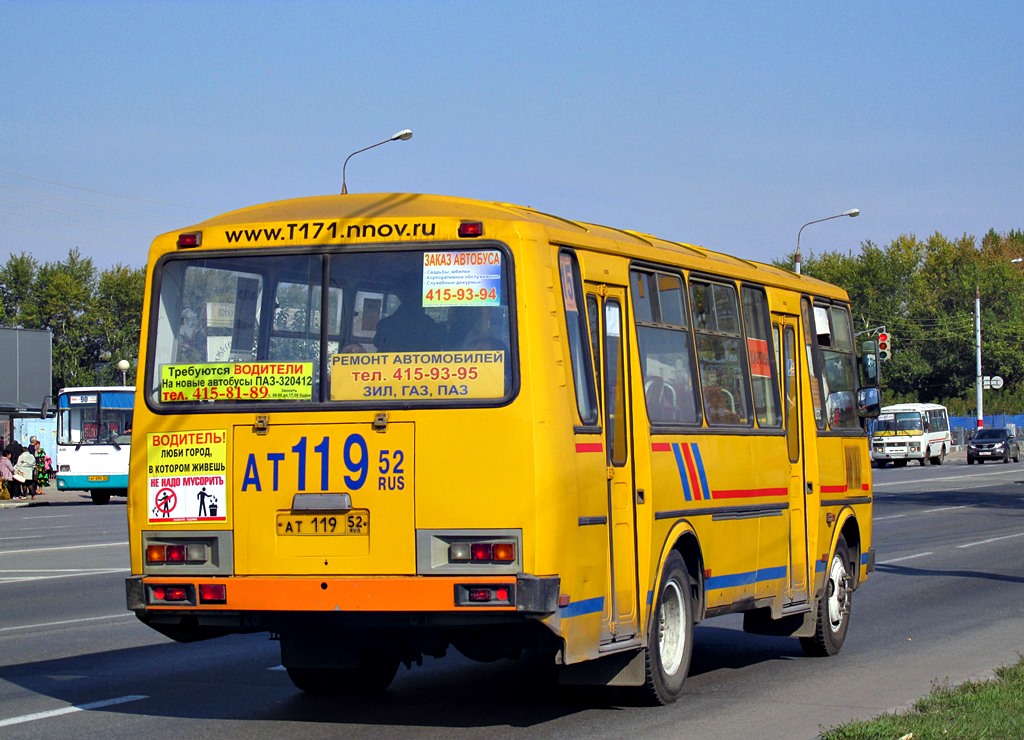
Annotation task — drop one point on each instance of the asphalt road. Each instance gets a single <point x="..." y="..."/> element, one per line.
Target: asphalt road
<point x="942" y="607"/>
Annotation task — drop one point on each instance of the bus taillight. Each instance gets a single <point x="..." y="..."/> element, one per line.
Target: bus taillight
<point x="188" y="553"/>
<point x="482" y="552"/>
<point x="471" y="229"/>
<point x="503" y="552"/>
<point x="190" y="239"/>
<point x="213" y="593"/>
<point x="170" y="593"/>
<point x="484" y="595"/>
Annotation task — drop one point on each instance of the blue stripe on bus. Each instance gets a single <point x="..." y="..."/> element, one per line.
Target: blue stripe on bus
<point x="683" y="475"/>
<point x="746" y="579"/>
<point x="82" y="482"/>
<point x="587" y="606"/>
<point x="592" y="606"/>
<point x="700" y="471"/>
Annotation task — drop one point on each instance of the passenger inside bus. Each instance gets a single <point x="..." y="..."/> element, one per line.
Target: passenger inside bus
<point x="409" y="327"/>
<point x="489" y="330"/>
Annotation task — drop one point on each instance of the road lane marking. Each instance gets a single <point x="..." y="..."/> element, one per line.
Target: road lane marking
<point x="64" y="622"/>
<point x="907" y="557"/>
<point x="991" y="539"/>
<point x="68" y="547"/>
<point x="964" y="476"/>
<point x="945" y="508"/>
<point x="69" y="710"/>
<point x="5" y="578"/>
<point x="894" y="516"/>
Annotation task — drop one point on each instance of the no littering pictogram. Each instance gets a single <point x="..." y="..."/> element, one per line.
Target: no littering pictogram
<point x="166" y="500"/>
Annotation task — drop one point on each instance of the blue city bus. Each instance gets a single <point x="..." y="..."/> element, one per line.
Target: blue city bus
<point x="94" y="440"/>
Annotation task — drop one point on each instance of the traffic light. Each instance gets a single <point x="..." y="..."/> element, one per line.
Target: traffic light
<point x="884" y="348"/>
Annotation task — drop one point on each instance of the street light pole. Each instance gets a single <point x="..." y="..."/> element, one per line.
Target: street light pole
<point x="852" y="213"/>
<point x="977" y="347"/>
<point x="123" y="366"/>
<point x="403" y="135"/>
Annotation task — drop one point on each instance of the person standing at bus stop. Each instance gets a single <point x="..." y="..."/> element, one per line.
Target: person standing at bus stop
<point x="10" y="487"/>
<point x="42" y="470"/>
<point x="24" y="471"/>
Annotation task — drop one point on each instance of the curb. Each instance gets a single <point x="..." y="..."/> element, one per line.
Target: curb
<point x="18" y="504"/>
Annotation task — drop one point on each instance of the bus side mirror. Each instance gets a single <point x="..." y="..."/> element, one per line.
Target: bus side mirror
<point x="869" y="363"/>
<point x="869" y="402"/>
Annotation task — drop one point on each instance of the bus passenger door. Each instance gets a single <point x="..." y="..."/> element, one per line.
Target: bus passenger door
<point x="789" y="345"/>
<point x="621" y="618"/>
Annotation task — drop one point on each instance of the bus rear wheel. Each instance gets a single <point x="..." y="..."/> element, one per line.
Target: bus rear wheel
<point x="833" y="607"/>
<point x="667" y="658"/>
<point x="101" y="498"/>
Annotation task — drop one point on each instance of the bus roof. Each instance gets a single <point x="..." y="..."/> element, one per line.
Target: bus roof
<point x="365" y="207"/>
<point x="104" y="388"/>
<point x="912" y="407"/>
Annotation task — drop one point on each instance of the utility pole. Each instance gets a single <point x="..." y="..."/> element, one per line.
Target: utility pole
<point x="977" y="346"/>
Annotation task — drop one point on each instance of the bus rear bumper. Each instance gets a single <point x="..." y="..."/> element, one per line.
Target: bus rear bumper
<point x="520" y="593"/>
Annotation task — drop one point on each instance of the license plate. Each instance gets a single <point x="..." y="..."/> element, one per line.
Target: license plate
<point x="351" y="523"/>
<point x="99" y="477"/>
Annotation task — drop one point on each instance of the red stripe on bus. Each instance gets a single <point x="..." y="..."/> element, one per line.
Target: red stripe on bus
<point x="833" y="489"/>
<point x="691" y="472"/>
<point x="589" y="447"/>
<point x="661" y="447"/>
<point x="751" y="493"/>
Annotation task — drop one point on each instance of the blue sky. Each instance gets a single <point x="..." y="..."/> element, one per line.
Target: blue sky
<point x="728" y="124"/>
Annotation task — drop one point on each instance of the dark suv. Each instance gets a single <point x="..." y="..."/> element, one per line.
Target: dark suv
<point x="993" y="444"/>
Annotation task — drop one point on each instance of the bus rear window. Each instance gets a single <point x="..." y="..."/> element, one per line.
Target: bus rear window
<point x="358" y="327"/>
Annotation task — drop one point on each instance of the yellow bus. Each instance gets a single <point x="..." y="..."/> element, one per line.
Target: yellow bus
<point x="379" y="426"/>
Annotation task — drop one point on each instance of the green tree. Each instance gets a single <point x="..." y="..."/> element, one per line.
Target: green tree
<point x="117" y="316"/>
<point x="95" y="318"/>
<point x="924" y="295"/>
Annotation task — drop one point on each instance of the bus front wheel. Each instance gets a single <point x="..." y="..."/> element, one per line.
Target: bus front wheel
<point x="100" y="498"/>
<point x="667" y="659"/>
<point x="833" y="607"/>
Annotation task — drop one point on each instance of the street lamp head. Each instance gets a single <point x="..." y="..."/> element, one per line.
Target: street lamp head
<point x="852" y="212"/>
<point x="404" y="135"/>
<point x="123" y="365"/>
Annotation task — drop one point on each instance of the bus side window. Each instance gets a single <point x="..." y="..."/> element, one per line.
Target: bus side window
<point x="760" y="357"/>
<point x="724" y="376"/>
<point x="666" y="347"/>
<point x="579" y="350"/>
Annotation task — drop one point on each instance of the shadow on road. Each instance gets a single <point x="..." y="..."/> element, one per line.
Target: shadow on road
<point x="978" y="498"/>
<point x="237" y="678"/>
<point x="903" y="570"/>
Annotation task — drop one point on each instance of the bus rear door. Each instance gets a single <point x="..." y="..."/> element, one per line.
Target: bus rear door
<point x="790" y="348"/>
<point x="622" y="617"/>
